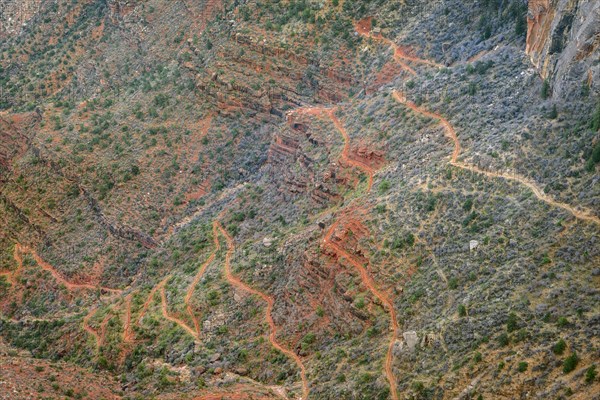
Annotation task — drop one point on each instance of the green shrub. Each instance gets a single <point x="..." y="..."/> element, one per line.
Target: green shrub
<point x="503" y="340"/>
<point x="570" y="363"/>
<point x="559" y="347"/>
<point x="594" y="158"/>
<point x="520" y="25"/>
<point x="545" y="89"/>
<point x="468" y="205"/>
<point x="522" y="367"/>
<point x="472" y="89"/>
<point x="595" y="122"/>
<point x="384" y="187"/>
<point x="590" y="374"/>
<point x="453" y="283"/>
<point x="462" y="310"/>
<point x="511" y="323"/>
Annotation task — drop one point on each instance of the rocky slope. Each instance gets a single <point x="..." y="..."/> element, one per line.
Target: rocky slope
<point x="15" y="15"/>
<point x="302" y="199"/>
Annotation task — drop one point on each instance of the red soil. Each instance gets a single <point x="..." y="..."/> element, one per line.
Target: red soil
<point x="192" y="287"/>
<point x="345" y="157"/>
<point x="401" y="53"/>
<point x="165" y="311"/>
<point x="90" y="330"/>
<point x="236" y="282"/>
<point x="358" y="263"/>
<point x="71" y="286"/>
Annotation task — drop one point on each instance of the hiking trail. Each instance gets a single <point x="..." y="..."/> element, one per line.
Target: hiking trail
<point x="165" y="311"/>
<point x="363" y="27"/>
<point x="585" y="215"/>
<point x="366" y="278"/>
<point x="371" y="285"/>
<point x="236" y="282"/>
<point x="71" y="286"/>
<point x="345" y="156"/>
<point x="192" y="287"/>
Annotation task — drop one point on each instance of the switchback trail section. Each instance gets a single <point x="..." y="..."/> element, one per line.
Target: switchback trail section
<point x="98" y="335"/>
<point x="236" y="282"/>
<point x="363" y="27"/>
<point x="128" y="336"/>
<point x="372" y="286"/>
<point x="365" y="277"/>
<point x="165" y="311"/>
<point x="345" y="156"/>
<point x="71" y="286"/>
<point x="585" y="215"/>
<point x="199" y="274"/>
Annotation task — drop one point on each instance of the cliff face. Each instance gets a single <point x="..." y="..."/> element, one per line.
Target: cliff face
<point x="563" y="41"/>
<point x="14" y="15"/>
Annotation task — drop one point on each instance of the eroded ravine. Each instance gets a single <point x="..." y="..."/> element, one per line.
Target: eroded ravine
<point x="345" y="156"/>
<point x="585" y="215"/>
<point x="236" y="282"/>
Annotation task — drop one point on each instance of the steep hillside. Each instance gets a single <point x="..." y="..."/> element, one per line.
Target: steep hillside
<point x="300" y="199"/>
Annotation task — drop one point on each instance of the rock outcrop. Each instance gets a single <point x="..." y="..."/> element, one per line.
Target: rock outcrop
<point x="563" y="41"/>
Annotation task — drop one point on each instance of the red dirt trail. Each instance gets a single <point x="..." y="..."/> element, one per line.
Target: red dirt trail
<point x="372" y="286"/>
<point x="99" y="335"/>
<point x="89" y="329"/>
<point x="363" y="27"/>
<point x="199" y="274"/>
<point x="345" y="156"/>
<point x="128" y="335"/>
<point x="451" y="134"/>
<point x="366" y="278"/>
<point x="236" y="282"/>
<point x="165" y="311"/>
<point x="71" y="286"/>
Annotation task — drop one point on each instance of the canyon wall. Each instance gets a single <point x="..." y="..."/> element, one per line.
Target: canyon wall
<point x="563" y="42"/>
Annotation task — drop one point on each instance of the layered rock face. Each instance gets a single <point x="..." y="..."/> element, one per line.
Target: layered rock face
<point x="563" y="40"/>
<point x="14" y="15"/>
